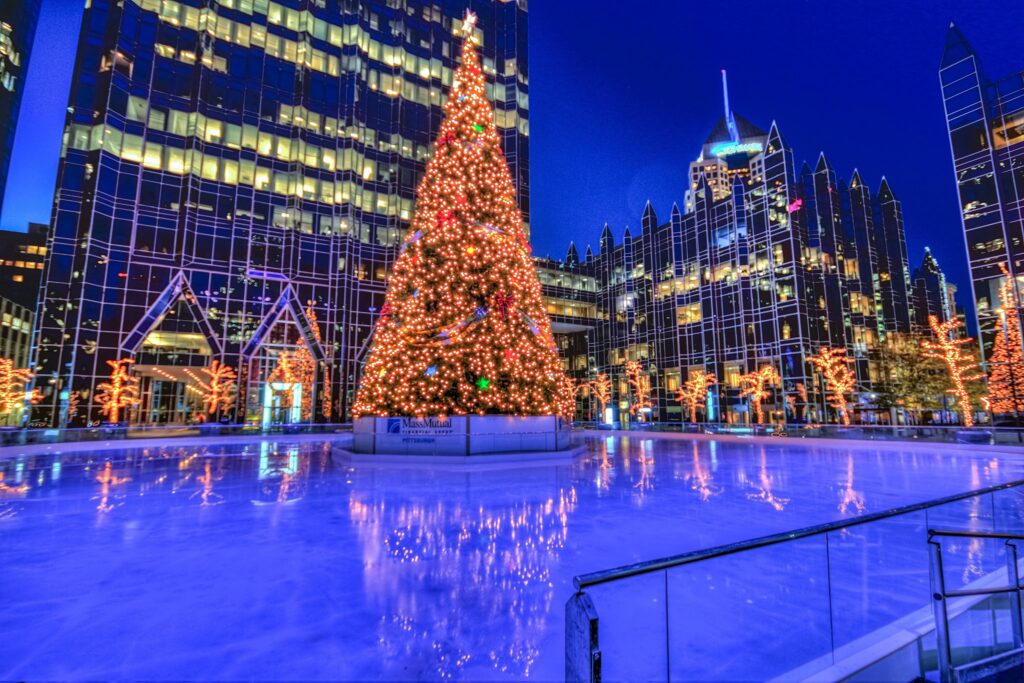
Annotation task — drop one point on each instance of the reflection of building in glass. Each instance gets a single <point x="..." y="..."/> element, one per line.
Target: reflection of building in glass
<point x="985" y="120"/>
<point x="485" y="564"/>
<point x="231" y="166"/>
<point x="17" y="30"/>
<point x="767" y="263"/>
<point x="21" y="265"/>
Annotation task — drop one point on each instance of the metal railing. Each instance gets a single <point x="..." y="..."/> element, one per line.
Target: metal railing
<point x="872" y="432"/>
<point x="989" y="666"/>
<point x="17" y="436"/>
<point x="588" y="657"/>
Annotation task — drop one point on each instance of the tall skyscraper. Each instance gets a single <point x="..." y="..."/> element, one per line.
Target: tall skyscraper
<point x="17" y="30"/>
<point x="234" y="184"/>
<point x="985" y="120"/>
<point x="768" y="263"/>
<point x="932" y="295"/>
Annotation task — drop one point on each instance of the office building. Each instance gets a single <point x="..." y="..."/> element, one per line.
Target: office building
<point x="235" y="180"/>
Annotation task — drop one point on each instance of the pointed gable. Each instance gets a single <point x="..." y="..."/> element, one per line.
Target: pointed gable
<point x="956" y="49"/>
<point x="572" y="257"/>
<point x="775" y="142"/>
<point x="607" y="242"/>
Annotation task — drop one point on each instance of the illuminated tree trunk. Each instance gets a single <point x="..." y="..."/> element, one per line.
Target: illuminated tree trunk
<point x="464" y="328"/>
<point x="122" y="391"/>
<point x="13" y="383"/>
<point x="839" y="378"/>
<point x="1006" y="363"/>
<point x="757" y="388"/>
<point x="602" y="390"/>
<point x="639" y="387"/>
<point x="695" y="391"/>
<point x="948" y="349"/>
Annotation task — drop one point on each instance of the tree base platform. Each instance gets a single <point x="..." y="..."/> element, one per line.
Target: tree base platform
<point x="460" y="435"/>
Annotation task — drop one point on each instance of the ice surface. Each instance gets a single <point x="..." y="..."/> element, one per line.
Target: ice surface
<point x="270" y="561"/>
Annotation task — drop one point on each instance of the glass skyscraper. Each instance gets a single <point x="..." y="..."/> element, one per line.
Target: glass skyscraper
<point x="17" y="30"/>
<point x="235" y="179"/>
<point x="768" y="263"/>
<point x="985" y="120"/>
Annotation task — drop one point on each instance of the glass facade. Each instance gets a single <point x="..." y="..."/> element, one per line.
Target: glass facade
<point x="985" y="120"/>
<point x="18" y="20"/>
<point x="767" y="264"/>
<point x="235" y="179"/>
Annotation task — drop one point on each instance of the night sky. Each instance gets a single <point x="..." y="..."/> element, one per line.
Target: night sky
<point x="623" y="94"/>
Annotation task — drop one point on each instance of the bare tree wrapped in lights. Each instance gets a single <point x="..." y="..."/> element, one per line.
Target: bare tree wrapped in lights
<point x="639" y="388"/>
<point x="1006" y="364"/>
<point x="13" y="383"/>
<point x="122" y="391"/>
<point x="464" y="328"/>
<point x="694" y="393"/>
<point x="601" y="388"/>
<point x="757" y="383"/>
<point x="220" y="387"/>
<point x="962" y="366"/>
<point x="834" y="365"/>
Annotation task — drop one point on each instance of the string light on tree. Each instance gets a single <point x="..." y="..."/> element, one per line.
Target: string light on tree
<point x="220" y="387"/>
<point x="834" y="365"/>
<point x="757" y="383"/>
<point x="601" y="387"/>
<point x="13" y="383"/>
<point x="1006" y="363"/>
<point x="122" y="391"/>
<point x="465" y="329"/>
<point x="962" y="367"/>
<point x="639" y="388"/>
<point x="694" y="392"/>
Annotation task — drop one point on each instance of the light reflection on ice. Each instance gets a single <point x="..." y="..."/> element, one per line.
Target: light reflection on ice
<point x="270" y="560"/>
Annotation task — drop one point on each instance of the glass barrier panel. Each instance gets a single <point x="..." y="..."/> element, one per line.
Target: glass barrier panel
<point x="753" y="615"/>
<point x="879" y="581"/>
<point x="631" y="624"/>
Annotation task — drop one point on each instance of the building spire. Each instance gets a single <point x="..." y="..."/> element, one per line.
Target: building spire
<point x="729" y="120"/>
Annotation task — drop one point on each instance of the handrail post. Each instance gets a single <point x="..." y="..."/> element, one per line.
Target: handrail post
<point x="1013" y="574"/>
<point x="939" y="606"/>
<point x="582" y="647"/>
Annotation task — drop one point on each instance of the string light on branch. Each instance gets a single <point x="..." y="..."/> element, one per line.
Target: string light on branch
<point x="1006" y="362"/>
<point x="122" y="391"/>
<point x="757" y="383"/>
<point x="219" y="388"/>
<point x="601" y="388"/>
<point x="840" y="380"/>
<point x="962" y="367"/>
<point x="13" y="383"/>
<point x="639" y="388"/>
<point x="694" y="391"/>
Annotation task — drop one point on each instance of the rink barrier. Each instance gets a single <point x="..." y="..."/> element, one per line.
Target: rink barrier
<point x="586" y="662"/>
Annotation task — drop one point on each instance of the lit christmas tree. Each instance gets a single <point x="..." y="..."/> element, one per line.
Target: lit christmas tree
<point x="1006" y="364"/>
<point x="463" y="328"/>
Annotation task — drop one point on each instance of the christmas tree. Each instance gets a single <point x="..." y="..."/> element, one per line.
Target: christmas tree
<point x="1006" y="364"/>
<point x="463" y="328"/>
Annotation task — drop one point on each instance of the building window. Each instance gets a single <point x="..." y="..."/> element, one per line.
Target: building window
<point x="688" y="314"/>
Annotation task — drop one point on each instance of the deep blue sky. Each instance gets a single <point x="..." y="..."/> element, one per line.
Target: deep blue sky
<point x="623" y="94"/>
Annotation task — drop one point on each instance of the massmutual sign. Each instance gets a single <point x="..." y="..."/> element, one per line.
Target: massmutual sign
<point x="412" y="426"/>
